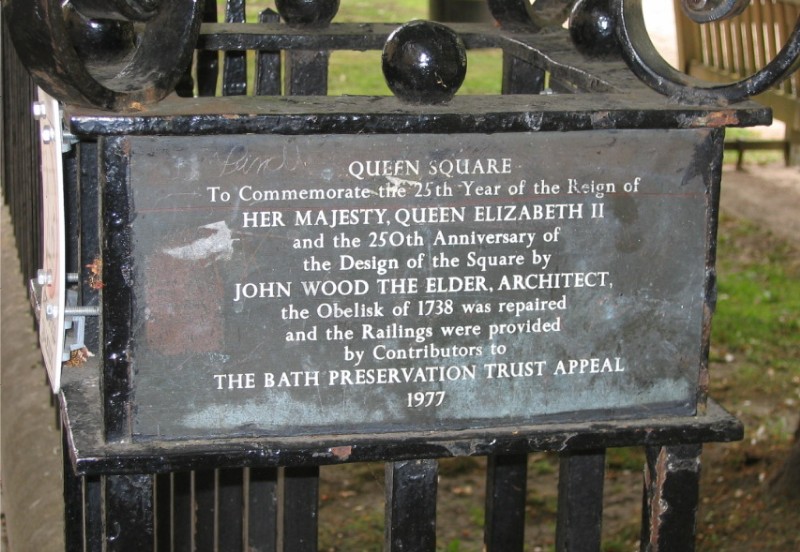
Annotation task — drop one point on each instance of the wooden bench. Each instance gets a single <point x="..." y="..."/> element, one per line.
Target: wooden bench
<point x="735" y="48"/>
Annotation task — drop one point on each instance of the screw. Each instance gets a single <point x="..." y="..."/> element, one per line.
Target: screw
<point x="51" y="310"/>
<point x="88" y="310"/>
<point x="44" y="277"/>
<point x="39" y="111"/>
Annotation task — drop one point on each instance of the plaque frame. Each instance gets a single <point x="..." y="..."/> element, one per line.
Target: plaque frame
<point x="172" y="330"/>
<point x="598" y="96"/>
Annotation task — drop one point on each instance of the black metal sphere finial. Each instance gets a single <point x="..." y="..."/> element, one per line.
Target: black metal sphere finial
<point x="593" y="29"/>
<point x="99" y="40"/>
<point x="424" y="62"/>
<point x="307" y="13"/>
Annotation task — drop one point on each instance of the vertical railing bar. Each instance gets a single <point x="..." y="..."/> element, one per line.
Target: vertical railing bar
<point x="695" y="49"/>
<point x="262" y="519"/>
<point x="73" y="502"/>
<point x="411" y="488"/>
<point x="234" y="70"/>
<point x="298" y="499"/>
<point x="21" y="159"/>
<point x="268" y="63"/>
<point x="580" y="501"/>
<point x="71" y="209"/>
<point x="507" y="475"/>
<point x="671" y="497"/>
<point x="182" y="512"/>
<point x="163" y="512"/>
<point x="709" y="32"/>
<point x="306" y="72"/>
<point x="521" y="77"/>
<point x="116" y="252"/>
<point x="208" y="61"/>
<point x="506" y="489"/>
<point x="205" y="511"/>
<point x="230" y="509"/>
<point x="89" y="214"/>
<point x="129" y="513"/>
<point x="93" y="513"/>
<point x="729" y="37"/>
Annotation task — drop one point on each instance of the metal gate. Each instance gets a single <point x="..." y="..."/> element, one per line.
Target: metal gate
<point x="136" y="484"/>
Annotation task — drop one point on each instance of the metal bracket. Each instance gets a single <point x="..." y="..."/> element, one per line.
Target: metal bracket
<point x="73" y="347"/>
<point x="61" y="322"/>
<point x="75" y="351"/>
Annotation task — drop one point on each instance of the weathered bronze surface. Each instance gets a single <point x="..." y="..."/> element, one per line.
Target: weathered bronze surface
<point x="291" y="285"/>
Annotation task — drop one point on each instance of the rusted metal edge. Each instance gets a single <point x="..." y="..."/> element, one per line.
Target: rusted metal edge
<point x="92" y="455"/>
<point x="377" y="115"/>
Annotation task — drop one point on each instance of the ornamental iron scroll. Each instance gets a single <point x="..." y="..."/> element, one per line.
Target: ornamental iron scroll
<point x="87" y="52"/>
<point x="123" y="54"/>
<point x="648" y="65"/>
<point x="705" y="11"/>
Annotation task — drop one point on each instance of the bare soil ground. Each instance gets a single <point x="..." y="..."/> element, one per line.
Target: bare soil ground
<point x="768" y="195"/>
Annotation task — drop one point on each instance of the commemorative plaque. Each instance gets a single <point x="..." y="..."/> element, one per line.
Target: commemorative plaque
<point x="290" y="285"/>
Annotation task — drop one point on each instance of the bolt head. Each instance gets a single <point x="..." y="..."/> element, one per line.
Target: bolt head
<point x="48" y="134"/>
<point x="51" y="311"/>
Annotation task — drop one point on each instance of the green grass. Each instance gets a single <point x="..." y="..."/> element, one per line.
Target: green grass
<point x="757" y="323"/>
<point x="626" y="540"/>
<point x="355" y="11"/>
<point x="542" y="463"/>
<point x="626" y="458"/>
